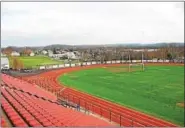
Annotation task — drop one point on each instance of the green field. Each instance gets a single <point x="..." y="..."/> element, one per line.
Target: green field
<point x="155" y="91"/>
<point x="32" y="62"/>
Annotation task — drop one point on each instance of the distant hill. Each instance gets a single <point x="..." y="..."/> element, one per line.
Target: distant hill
<point x="19" y="49"/>
<point x="57" y="46"/>
<point x="133" y="45"/>
<point x="154" y="45"/>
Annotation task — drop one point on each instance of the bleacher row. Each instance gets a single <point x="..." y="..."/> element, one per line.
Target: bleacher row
<point x="27" y="87"/>
<point x="29" y="106"/>
<point x="48" y="84"/>
<point x="101" y="107"/>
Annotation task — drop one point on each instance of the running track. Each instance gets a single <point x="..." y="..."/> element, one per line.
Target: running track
<point x="119" y="114"/>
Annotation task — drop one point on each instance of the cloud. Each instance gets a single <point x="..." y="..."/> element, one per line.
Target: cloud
<point x="43" y="23"/>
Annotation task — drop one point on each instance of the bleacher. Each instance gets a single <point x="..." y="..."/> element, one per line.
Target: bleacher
<point x="27" y="87"/>
<point x="27" y="105"/>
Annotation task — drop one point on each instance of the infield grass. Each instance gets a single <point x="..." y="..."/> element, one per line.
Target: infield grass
<point x="155" y="91"/>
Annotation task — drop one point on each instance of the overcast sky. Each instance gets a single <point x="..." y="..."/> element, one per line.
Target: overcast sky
<point x="44" y="23"/>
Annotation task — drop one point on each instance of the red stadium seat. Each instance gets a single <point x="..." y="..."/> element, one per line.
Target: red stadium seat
<point x="24" y="109"/>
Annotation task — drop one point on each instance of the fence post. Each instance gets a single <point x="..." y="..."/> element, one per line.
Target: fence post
<point x="88" y="109"/>
<point x="92" y="108"/>
<point x="120" y="121"/>
<point x="100" y="112"/>
<point x="110" y="114"/>
<point x="85" y="107"/>
<point x="70" y="63"/>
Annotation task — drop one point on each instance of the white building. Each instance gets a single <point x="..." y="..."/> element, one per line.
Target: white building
<point x="71" y="55"/>
<point x="44" y="52"/>
<point x="152" y="50"/>
<point x="50" y="53"/>
<point x="32" y="54"/>
<point x="57" y="55"/>
<point x="14" y="53"/>
<point x="138" y="50"/>
<point x="4" y="63"/>
<point x="142" y="50"/>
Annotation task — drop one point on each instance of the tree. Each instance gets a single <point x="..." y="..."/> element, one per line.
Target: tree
<point x="26" y="52"/>
<point x="14" y="63"/>
<point x="54" y="51"/>
<point x="169" y="56"/>
<point x="108" y="56"/>
<point x="17" y="63"/>
<point x="70" y="49"/>
<point x="7" y="51"/>
<point x="64" y="57"/>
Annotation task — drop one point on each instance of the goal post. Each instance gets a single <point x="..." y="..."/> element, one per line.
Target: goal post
<point x="139" y="66"/>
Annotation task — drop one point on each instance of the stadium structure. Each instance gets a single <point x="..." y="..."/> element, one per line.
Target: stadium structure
<point x="40" y="100"/>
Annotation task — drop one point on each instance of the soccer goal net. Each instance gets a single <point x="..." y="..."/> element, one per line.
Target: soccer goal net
<point x="136" y="67"/>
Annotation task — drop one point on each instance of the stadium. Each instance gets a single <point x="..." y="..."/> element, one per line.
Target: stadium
<point x="95" y="94"/>
<point x="92" y="64"/>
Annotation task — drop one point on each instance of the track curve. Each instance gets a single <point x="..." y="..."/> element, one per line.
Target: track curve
<point x="117" y="113"/>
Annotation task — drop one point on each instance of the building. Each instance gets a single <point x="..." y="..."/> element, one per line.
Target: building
<point x="50" y="53"/>
<point x="44" y="52"/>
<point x="142" y="50"/>
<point x="4" y="63"/>
<point x="32" y="54"/>
<point x="14" y="53"/>
<point x="57" y="55"/>
<point x="71" y="55"/>
<point x="152" y="50"/>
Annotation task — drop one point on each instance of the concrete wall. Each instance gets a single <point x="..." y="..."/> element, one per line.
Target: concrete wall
<point x="98" y="62"/>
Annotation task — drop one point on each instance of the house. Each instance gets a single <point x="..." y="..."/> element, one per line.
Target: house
<point x="142" y="50"/>
<point x="71" y="55"/>
<point x="152" y="50"/>
<point x="44" y="52"/>
<point x="14" y="53"/>
<point x="27" y="52"/>
<point x="57" y="55"/>
<point x="32" y="54"/>
<point x="4" y="63"/>
<point x="50" y="53"/>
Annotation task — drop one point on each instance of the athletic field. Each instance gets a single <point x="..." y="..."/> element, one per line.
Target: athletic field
<point x="34" y="61"/>
<point x="159" y="90"/>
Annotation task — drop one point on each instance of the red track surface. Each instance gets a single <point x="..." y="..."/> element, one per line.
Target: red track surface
<point x="120" y="114"/>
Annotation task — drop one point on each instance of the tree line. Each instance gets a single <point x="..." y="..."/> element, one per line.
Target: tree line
<point x="108" y="54"/>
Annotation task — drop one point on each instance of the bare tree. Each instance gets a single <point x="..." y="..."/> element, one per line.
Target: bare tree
<point x="17" y="63"/>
